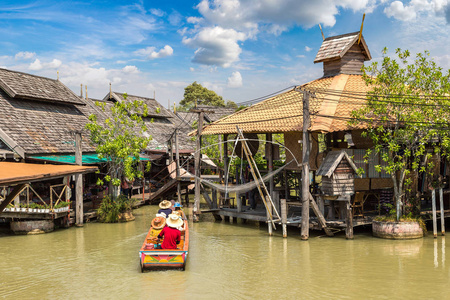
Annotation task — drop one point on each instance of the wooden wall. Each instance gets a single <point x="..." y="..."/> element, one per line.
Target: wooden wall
<point x="350" y="63"/>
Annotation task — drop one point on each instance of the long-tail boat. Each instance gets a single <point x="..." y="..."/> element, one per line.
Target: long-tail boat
<point x="154" y="259"/>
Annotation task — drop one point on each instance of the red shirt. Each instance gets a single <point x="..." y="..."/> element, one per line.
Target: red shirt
<point x="171" y="237"/>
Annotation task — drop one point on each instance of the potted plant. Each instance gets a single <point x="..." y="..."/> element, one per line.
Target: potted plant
<point x="118" y="210"/>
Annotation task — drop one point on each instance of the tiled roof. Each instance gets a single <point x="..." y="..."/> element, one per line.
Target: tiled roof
<point x="329" y="106"/>
<point x="152" y="104"/>
<point x="337" y="46"/>
<point x="26" y="86"/>
<point x="219" y="112"/>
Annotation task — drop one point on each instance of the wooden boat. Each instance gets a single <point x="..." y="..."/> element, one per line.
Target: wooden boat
<point x="153" y="259"/>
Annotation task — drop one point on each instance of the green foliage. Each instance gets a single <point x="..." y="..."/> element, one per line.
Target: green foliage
<point x="195" y="92"/>
<point x="407" y="113"/>
<point x="120" y="138"/>
<point x="110" y="208"/>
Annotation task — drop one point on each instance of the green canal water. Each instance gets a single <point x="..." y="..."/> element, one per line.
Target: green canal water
<point x="225" y="261"/>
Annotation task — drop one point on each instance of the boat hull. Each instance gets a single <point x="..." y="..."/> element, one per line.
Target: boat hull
<point x="156" y="259"/>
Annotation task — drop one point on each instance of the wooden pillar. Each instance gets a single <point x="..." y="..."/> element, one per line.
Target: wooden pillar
<point x="214" y="198"/>
<point x="441" y="204"/>
<point x="177" y="156"/>
<point x="220" y="157"/>
<point x="349" y="222"/>
<point x="225" y="158"/>
<point x="197" y="166"/>
<point x="305" y="169"/>
<point x="433" y="207"/>
<point x="269" y="213"/>
<point x="78" y="182"/>
<point x="284" y="211"/>
<point x="238" y="202"/>
<point x="269" y="155"/>
<point x="321" y="204"/>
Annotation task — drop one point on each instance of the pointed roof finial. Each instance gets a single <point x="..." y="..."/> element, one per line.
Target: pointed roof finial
<point x="57" y="75"/>
<point x="360" y="31"/>
<point x="174" y="107"/>
<point x="323" y="37"/>
<point x="110" y="92"/>
<point x="86" y="92"/>
<point x="81" y="90"/>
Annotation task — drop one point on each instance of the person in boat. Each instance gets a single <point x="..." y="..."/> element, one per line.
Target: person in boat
<point x="179" y="211"/>
<point x="164" y="207"/>
<point x="172" y="236"/>
<point x="158" y="224"/>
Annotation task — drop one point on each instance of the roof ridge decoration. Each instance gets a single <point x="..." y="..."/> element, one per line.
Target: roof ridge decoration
<point x="336" y="47"/>
<point x="19" y="85"/>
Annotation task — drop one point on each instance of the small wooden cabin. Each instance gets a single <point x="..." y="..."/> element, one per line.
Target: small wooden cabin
<point x="338" y="174"/>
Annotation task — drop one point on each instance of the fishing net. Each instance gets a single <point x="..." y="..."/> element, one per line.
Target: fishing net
<point x="242" y="188"/>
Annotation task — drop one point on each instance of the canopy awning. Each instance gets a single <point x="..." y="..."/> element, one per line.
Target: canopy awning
<point x="16" y="173"/>
<point x="87" y="159"/>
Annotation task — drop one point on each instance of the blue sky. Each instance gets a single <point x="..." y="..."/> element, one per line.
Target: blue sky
<point x="242" y="49"/>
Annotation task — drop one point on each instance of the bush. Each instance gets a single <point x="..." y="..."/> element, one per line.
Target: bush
<point x="109" y="209"/>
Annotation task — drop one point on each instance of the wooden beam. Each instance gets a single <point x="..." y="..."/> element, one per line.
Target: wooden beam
<point x="320" y="217"/>
<point x="441" y="204"/>
<point x="433" y="207"/>
<point x="349" y="222"/>
<point x="14" y="193"/>
<point x="177" y="157"/>
<point x="305" y="168"/>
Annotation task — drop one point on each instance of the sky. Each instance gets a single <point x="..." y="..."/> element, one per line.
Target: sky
<point x="241" y="49"/>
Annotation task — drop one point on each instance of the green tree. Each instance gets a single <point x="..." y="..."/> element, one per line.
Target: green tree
<point x="195" y="92"/>
<point x="407" y="113"/>
<point x="120" y="138"/>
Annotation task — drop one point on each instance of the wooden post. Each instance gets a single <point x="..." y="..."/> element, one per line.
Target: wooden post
<point x="305" y="169"/>
<point x="196" y="210"/>
<point x="220" y="157"/>
<point x="269" y="214"/>
<point x="284" y="210"/>
<point x="238" y="202"/>
<point x="349" y="222"/>
<point x="214" y="198"/>
<point x="270" y="163"/>
<point x="78" y="182"/>
<point x="177" y="156"/>
<point x="441" y="204"/>
<point x="433" y="207"/>
<point x="225" y="158"/>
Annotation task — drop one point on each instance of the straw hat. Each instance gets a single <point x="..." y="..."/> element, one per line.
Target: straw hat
<point x="174" y="221"/>
<point x="158" y="223"/>
<point x="165" y="204"/>
<point x="178" y="213"/>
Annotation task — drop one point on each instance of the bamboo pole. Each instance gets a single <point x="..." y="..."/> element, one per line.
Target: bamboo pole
<point x="305" y="169"/>
<point x="433" y="207"/>
<point x="196" y="210"/>
<point x="441" y="204"/>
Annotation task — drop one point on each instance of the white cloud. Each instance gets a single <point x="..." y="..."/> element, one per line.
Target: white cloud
<point x="150" y="52"/>
<point x="166" y="51"/>
<point x="235" y="80"/>
<point x="175" y="18"/>
<point x="401" y="12"/>
<point x="307" y="49"/>
<point x="25" y="55"/>
<point x="55" y="63"/>
<point x="191" y="69"/>
<point x="216" y="46"/>
<point x="194" y="20"/>
<point x="157" y="12"/>
<point x="130" y="69"/>
<point x="411" y="11"/>
<point x="214" y="87"/>
<point x="36" y="65"/>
